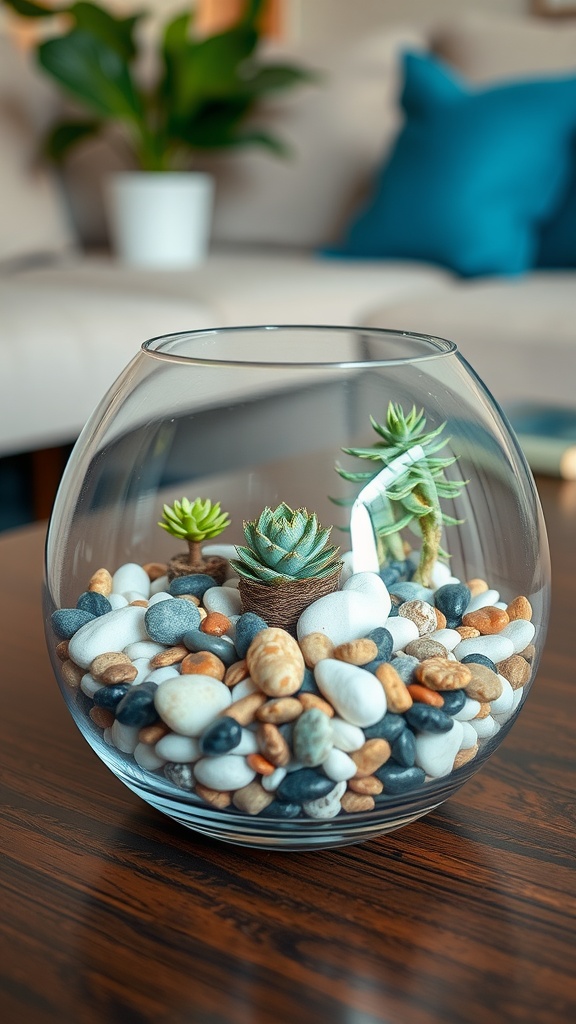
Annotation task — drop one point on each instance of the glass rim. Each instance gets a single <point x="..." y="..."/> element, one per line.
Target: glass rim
<point x="442" y="347"/>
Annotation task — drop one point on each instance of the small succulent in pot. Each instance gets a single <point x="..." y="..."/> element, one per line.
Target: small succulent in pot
<point x="195" y="522"/>
<point x="286" y="564"/>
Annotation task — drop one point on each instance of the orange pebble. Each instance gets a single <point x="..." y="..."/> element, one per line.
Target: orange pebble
<point x="259" y="763"/>
<point x="422" y="695"/>
<point x="215" y="624"/>
<point x="487" y="620"/>
<point x="203" y="663"/>
<point x="519" y="608"/>
<point x="477" y="586"/>
<point x="440" y="619"/>
<point x="101" y="717"/>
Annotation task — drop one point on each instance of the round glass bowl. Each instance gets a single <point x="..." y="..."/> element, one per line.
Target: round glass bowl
<point x="235" y="670"/>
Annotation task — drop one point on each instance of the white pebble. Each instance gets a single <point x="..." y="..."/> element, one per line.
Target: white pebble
<point x="224" y="600"/>
<point x="469" y="736"/>
<point x="142" y="666"/>
<point x="89" y="685"/>
<point x="503" y="704"/>
<point x="449" y="638"/>
<point x="354" y="693"/>
<point x="147" y="758"/>
<point x="501" y="604"/>
<point x="124" y="737"/>
<point x="496" y="647"/>
<point x="143" y="649"/>
<point x="226" y="772"/>
<point x="131" y="576"/>
<point x="485" y="727"/>
<point x="435" y="751"/>
<point x="326" y="806"/>
<point x="347" y="567"/>
<point x="484" y="600"/>
<point x="248" y="743"/>
<point x="346" y="737"/>
<point x="242" y="689"/>
<point x="162" y="583"/>
<point x="158" y="675"/>
<point x="371" y="585"/>
<point x="181" y="749"/>
<point x="403" y="631"/>
<point x="233" y="582"/>
<point x="107" y="737"/>
<point x="117" y="601"/>
<point x="441" y="575"/>
<point x="343" y="616"/>
<point x="133" y="595"/>
<point x="157" y="596"/>
<point x="339" y="766"/>
<point x="110" y="632"/>
<point x="520" y="632"/>
<point x="468" y="711"/>
<point x="518" y="694"/>
<point x="271" y="782"/>
<point x="220" y="550"/>
<point x="188" y="704"/>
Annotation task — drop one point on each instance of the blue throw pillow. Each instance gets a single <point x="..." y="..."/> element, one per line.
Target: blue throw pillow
<point x="557" y="241"/>
<point x="473" y="172"/>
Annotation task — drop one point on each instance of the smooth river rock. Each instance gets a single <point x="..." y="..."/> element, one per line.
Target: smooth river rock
<point x="111" y="632"/>
<point x="343" y="616"/>
<point x="356" y="695"/>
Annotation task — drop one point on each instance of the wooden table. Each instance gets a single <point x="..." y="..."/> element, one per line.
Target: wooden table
<point x="111" y="913"/>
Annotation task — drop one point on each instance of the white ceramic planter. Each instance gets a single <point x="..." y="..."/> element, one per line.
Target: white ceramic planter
<point x="160" y="219"/>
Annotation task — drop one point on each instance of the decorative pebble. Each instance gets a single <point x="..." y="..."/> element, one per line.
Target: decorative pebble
<point x="519" y="608"/>
<point x="187" y="704"/>
<point x="424" y="648"/>
<point x="448" y="638"/>
<point x="397" y="779"/>
<point x="468" y="711"/>
<point x="356" y="652"/>
<point x="93" y="602"/>
<point x="111" y="632"/>
<point x="271" y="782"/>
<point x="131" y="576"/>
<point x="221" y="736"/>
<point x="304" y="784"/>
<point x="196" y="640"/>
<point x="443" y="674"/>
<point x="469" y="736"/>
<point x="454" y="701"/>
<point x="421" y="613"/>
<point x="110" y="696"/>
<point x="484" y="685"/>
<point x="247" y="626"/>
<point x="195" y="583"/>
<point x="410" y="592"/>
<point x="371" y="755"/>
<point x="404" y="665"/>
<point x="158" y="675"/>
<point x="124" y="737"/>
<point x="315" y="647"/>
<point x="67" y="621"/>
<point x="515" y="670"/>
<point x="453" y="600"/>
<point x="424" y="718"/>
<point x="424" y="695"/>
<point x="503" y="704"/>
<point x="339" y="766"/>
<point x="224" y="600"/>
<point x="180" y="775"/>
<point x="479" y="659"/>
<point x="398" y="698"/>
<point x="101" y="582"/>
<point x="483" y="600"/>
<point x="275" y="662"/>
<point x="328" y="806"/>
<point x="312" y="738"/>
<point x="252" y="799"/>
<point x="487" y="620"/>
<point x="137" y="707"/>
<point x="403" y="631"/>
<point x="203" y="663"/>
<point x="404" y="749"/>
<point x="147" y="758"/>
<point x="497" y="647"/>
<point x="344" y="615"/>
<point x="520" y="632"/>
<point x="356" y="695"/>
<point x="167" y="621"/>
<point x="485" y="727"/>
<point x="345" y="736"/>
<point x="227" y="772"/>
<point x="435" y="752"/>
<point x="183" y="749"/>
<point x="382" y="637"/>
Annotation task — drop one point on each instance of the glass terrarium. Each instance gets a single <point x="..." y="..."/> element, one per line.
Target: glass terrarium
<point x="297" y="580"/>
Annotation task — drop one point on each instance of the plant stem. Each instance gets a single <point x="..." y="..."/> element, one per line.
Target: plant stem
<point x="431" y="530"/>
<point x="195" y="552"/>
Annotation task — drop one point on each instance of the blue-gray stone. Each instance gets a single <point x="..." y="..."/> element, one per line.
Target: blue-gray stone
<point x="382" y="637"/>
<point x="452" y="600"/>
<point x="221" y="736"/>
<point x="181" y="775"/>
<point x="427" y="719"/>
<point x="137" y="707"/>
<point x="480" y="659"/>
<point x="196" y="583"/>
<point x="309" y="684"/>
<point x="67" y="621"/>
<point x="405" y="665"/>
<point x="454" y="701"/>
<point x="304" y="784"/>
<point x="96" y="604"/>
<point x="312" y="737"/>
<point x="410" y="591"/>
<point x="281" y="809"/>
<point x="388" y="728"/>
<point x="167" y="621"/>
<point x="404" y="749"/>
<point x="371" y="666"/>
<point x="247" y="626"/>
<point x="398" y="779"/>
<point x="110" y="696"/>
<point x="392" y="614"/>
<point x="196" y="640"/>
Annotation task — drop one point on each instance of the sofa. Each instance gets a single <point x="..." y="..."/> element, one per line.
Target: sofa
<point x="72" y="316"/>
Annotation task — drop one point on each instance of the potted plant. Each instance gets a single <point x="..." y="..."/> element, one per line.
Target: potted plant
<point x="195" y="522"/>
<point x="201" y="96"/>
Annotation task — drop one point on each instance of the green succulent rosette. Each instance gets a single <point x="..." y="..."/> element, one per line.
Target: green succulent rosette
<point x="284" y="544"/>
<point x="194" y="521"/>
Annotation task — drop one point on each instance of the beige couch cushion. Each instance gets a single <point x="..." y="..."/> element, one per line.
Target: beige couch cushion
<point x="33" y="219"/>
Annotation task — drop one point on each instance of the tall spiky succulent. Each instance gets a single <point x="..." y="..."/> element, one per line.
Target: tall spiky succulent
<point x="194" y="522"/>
<point x="283" y="545"/>
<point x="415" y="496"/>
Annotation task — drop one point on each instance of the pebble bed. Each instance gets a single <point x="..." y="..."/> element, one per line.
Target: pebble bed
<point x="387" y="685"/>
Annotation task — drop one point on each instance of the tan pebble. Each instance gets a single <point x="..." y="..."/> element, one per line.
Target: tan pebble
<point x="312" y="700"/>
<point x="155" y="570"/>
<point x="516" y="670"/>
<point x="189" y="597"/>
<point x="236" y="673"/>
<point x="353" y="802"/>
<point x="485" y="709"/>
<point x="218" y="798"/>
<point x="203" y="614"/>
<point x="101" y="663"/>
<point x="272" y="744"/>
<point x="529" y="653"/>
<point x="151" y="734"/>
<point x="280" y="710"/>
<point x="315" y="647"/>
<point x="101" y="717"/>
<point x="259" y="763"/>
<point x="118" y="674"/>
<point x="244" y="710"/>
<point x="71" y="674"/>
<point x="477" y="586"/>
<point x="487" y="621"/>
<point x="440" y="619"/>
<point x="467" y="632"/>
<point x="62" y="650"/>
<point x="398" y="698"/>
<point x="484" y="684"/>
<point x="424" y="695"/>
<point x="463" y="756"/>
<point x="520" y="608"/>
<point x="203" y="663"/>
<point x="356" y="652"/>
<point x="101" y="582"/>
<point x="371" y="756"/>
<point x="275" y="662"/>
<point x="253" y="798"/>
<point x="139" y="603"/>
<point x="215" y="624"/>
<point x="442" y="674"/>
<point x="171" y="656"/>
<point x="367" y="785"/>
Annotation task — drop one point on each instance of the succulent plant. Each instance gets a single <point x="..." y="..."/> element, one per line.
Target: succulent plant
<point x="283" y="545"/>
<point x="194" y="522"/>
<point x="415" y="496"/>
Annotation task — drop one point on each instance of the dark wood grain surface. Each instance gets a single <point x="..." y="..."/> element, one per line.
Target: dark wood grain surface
<point x="111" y="913"/>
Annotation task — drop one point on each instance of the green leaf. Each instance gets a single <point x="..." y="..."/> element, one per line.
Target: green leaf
<point x="66" y="135"/>
<point x="277" y="77"/>
<point x="117" y="33"/>
<point x="93" y="73"/>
